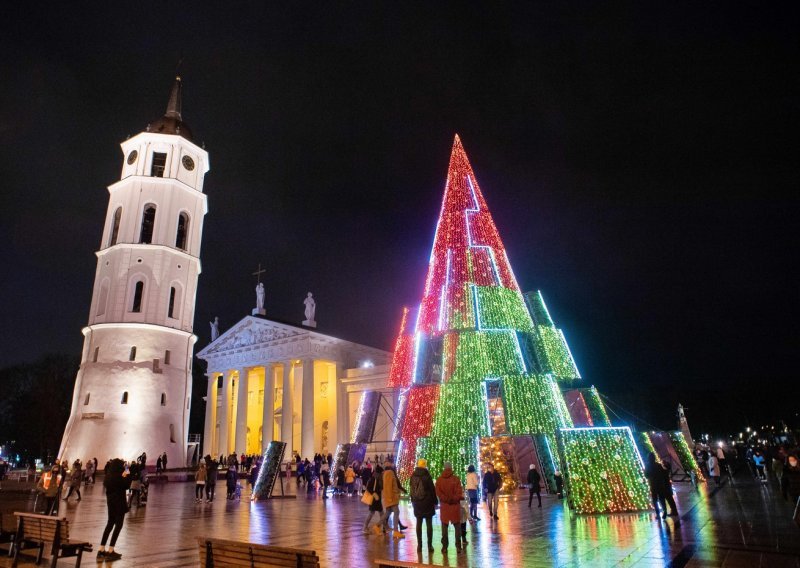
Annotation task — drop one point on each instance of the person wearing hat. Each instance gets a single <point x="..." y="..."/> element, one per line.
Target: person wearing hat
<point x="533" y="485"/>
<point x="424" y="501"/>
<point x="449" y="492"/>
<point x="49" y="486"/>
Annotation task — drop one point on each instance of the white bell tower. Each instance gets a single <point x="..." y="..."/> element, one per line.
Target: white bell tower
<point x="134" y="385"/>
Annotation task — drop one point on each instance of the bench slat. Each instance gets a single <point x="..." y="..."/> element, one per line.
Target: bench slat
<point x="229" y="553"/>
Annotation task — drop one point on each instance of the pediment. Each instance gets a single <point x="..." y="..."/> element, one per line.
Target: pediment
<point x="250" y="332"/>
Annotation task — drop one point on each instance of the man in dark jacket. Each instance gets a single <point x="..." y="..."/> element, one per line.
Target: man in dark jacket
<point x="116" y="482"/>
<point x="492" y="481"/>
<point x="424" y="501"/>
<point x="533" y="486"/>
<point x="790" y="480"/>
<point x="660" y="486"/>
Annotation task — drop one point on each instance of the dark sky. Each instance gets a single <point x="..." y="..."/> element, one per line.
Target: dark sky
<point x="640" y="162"/>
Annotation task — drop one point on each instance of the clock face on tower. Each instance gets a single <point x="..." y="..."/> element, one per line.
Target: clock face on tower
<point x="188" y="163"/>
<point x="132" y="157"/>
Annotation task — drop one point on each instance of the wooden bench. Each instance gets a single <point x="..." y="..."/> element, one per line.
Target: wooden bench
<point x="35" y="531"/>
<point x="8" y="529"/>
<point x="218" y="553"/>
<point x="403" y="564"/>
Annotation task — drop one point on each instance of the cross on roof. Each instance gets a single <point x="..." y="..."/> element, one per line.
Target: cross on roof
<point x="258" y="273"/>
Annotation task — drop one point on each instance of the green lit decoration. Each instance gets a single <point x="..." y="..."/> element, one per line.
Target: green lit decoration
<point x="688" y="463"/>
<point x="597" y="410"/>
<point x="483" y="364"/>
<point x="603" y="472"/>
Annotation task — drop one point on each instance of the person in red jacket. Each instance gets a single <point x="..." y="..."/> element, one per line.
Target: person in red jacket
<point x="449" y="492"/>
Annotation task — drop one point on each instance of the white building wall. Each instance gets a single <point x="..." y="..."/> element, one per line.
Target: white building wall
<point x="100" y="425"/>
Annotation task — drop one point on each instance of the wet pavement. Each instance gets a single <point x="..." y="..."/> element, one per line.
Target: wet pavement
<point x="736" y="525"/>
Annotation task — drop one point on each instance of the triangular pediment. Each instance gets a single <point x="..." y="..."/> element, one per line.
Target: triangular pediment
<point x="250" y="332"/>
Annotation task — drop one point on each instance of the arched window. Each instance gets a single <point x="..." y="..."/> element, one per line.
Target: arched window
<point x="148" y="222"/>
<point x="163" y="399"/>
<point x="182" y="234"/>
<point x="115" y="227"/>
<point x="86" y="400"/>
<point x="132" y="356"/>
<point x="124" y="398"/>
<point x="171" y="310"/>
<point x="138" y="292"/>
<point x="103" y="299"/>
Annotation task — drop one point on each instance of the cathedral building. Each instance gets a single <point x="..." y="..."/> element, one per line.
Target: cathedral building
<point x="133" y="389"/>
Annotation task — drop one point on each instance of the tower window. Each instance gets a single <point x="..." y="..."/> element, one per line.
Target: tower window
<point x="183" y="231"/>
<point x="156" y="367"/>
<point x="96" y="354"/>
<point x="133" y="354"/>
<point x="148" y="222"/>
<point x="103" y="299"/>
<point x="159" y="164"/>
<point x="86" y="400"/>
<point x="163" y="399"/>
<point x="171" y="310"/>
<point x="166" y="357"/>
<point x="172" y="433"/>
<point x="137" y="297"/>
<point x="115" y="227"/>
<point x="124" y="398"/>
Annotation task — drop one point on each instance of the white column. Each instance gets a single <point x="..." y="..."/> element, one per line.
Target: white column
<point x="211" y="406"/>
<point x="342" y="407"/>
<point x="307" y="421"/>
<point x="286" y="410"/>
<point x="223" y="444"/>
<point x="268" y="415"/>
<point x="240" y="444"/>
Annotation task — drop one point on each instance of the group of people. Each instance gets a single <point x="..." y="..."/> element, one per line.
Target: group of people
<point x="457" y="504"/>
<point x="207" y="474"/>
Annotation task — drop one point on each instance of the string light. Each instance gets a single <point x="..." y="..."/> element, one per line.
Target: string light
<point x="604" y="472"/>
<point x="688" y="463"/>
<point x="597" y="409"/>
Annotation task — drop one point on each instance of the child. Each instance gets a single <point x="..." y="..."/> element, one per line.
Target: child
<point x="465" y="518"/>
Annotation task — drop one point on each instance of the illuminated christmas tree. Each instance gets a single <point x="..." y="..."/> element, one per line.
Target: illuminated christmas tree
<point x="471" y="362"/>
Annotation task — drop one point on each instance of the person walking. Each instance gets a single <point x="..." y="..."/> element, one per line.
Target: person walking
<point x="325" y="474"/>
<point x="117" y="481"/>
<point x="473" y="483"/>
<point x="449" y="492"/>
<point x="790" y="480"/>
<point x="492" y="482"/>
<point x="75" y="478"/>
<point x="660" y="487"/>
<point x="349" y="479"/>
<point x="559" y="479"/>
<point x="390" y="497"/>
<point x="200" y="477"/>
<point x="159" y="465"/>
<point x="424" y="501"/>
<point x="759" y="462"/>
<point x="49" y="485"/>
<point x="533" y="485"/>
<point x="373" y="486"/>
<point x="713" y="468"/>
<point x="89" y="472"/>
<point x="230" y="481"/>
<point x="211" y="479"/>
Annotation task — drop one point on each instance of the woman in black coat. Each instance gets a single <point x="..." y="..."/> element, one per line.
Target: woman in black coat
<point x="424" y="501"/>
<point x="117" y="482"/>
<point x="374" y="485"/>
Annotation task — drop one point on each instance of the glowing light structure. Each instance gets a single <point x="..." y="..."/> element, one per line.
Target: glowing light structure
<point x="475" y="364"/>
<point x="604" y="472"/>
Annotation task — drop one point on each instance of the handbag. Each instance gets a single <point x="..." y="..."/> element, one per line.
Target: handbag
<point x="368" y="498"/>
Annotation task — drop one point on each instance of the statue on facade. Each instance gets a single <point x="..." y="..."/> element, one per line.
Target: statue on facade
<point x="214" y="328"/>
<point x="311" y="309"/>
<point x="259" y="309"/>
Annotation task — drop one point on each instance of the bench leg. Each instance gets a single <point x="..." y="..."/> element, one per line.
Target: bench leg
<point x="80" y="555"/>
<point x="53" y="560"/>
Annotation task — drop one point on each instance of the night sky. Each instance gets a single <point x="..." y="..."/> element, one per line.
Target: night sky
<point x="640" y="162"/>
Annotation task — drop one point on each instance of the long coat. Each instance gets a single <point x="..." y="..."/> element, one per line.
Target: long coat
<point x="390" y="490"/>
<point x="449" y="492"/>
<point x="422" y="483"/>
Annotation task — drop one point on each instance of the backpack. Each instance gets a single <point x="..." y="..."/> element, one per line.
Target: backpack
<point x="417" y="489"/>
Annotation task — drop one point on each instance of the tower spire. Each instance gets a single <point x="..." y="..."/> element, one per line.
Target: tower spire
<point x="174" y="104"/>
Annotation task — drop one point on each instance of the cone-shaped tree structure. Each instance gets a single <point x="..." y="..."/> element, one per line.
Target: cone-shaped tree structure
<point x="469" y="366"/>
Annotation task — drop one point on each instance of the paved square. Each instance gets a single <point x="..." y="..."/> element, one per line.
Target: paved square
<point x="736" y="525"/>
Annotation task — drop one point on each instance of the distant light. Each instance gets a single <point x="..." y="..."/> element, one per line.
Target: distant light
<point x="719" y="443"/>
<point x="367" y="364"/>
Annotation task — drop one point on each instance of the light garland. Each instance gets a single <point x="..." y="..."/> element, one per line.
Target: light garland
<point x="554" y="353"/>
<point x="688" y="463"/>
<point x="596" y="407"/>
<point x="604" y="472"/>
<point x="577" y="408"/>
<point x="646" y="445"/>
